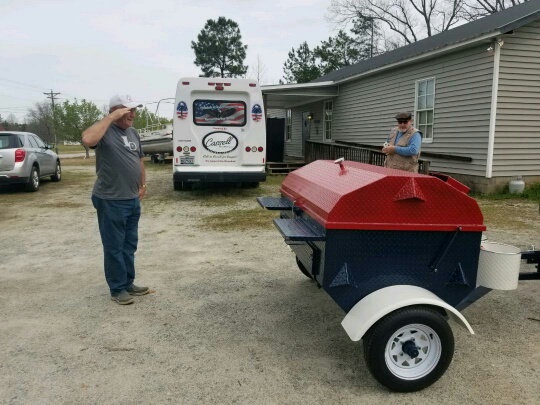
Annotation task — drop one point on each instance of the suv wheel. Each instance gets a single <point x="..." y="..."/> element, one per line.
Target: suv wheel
<point x="33" y="181"/>
<point x="57" y="176"/>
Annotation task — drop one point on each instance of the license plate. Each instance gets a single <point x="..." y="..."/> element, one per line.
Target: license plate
<point x="186" y="160"/>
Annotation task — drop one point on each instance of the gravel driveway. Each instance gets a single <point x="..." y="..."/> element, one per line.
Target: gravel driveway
<point x="232" y="320"/>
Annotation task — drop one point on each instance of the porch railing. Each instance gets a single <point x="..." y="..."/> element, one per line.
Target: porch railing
<point x="334" y="150"/>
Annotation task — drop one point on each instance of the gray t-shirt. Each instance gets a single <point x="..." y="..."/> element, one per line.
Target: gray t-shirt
<point x="118" y="164"/>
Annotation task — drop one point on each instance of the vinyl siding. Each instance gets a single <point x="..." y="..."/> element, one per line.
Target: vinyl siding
<point x="517" y="132"/>
<point x="276" y="113"/>
<point x="364" y="111"/>
<point x="294" y="148"/>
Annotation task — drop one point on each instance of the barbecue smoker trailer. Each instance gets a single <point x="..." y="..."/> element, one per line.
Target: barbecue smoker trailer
<point x="400" y="253"/>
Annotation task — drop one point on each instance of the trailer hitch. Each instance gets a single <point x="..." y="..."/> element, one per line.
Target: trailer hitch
<point x="531" y="256"/>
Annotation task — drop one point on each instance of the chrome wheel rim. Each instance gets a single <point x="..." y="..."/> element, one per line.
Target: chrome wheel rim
<point x="58" y="171"/>
<point x="35" y="178"/>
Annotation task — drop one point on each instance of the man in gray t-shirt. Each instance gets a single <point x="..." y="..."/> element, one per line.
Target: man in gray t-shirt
<point x="119" y="187"/>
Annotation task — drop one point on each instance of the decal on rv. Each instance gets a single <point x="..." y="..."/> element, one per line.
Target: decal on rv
<point x="220" y="142"/>
<point x="256" y="112"/>
<point x="182" y="110"/>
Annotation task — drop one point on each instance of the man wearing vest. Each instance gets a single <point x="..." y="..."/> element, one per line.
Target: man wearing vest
<point x="402" y="147"/>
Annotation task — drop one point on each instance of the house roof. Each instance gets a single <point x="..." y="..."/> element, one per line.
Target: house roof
<point x="496" y="24"/>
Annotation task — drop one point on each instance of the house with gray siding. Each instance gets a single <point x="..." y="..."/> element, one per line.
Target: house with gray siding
<point x="474" y="92"/>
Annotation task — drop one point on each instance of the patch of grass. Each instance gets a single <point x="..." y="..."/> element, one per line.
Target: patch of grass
<point x="531" y="193"/>
<point x="158" y="167"/>
<point x="77" y="175"/>
<point x="161" y="193"/>
<point x="510" y="214"/>
<point x="63" y="204"/>
<point x="70" y="148"/>
<point x="91" y="161"/>
<point x="240" y="220"/>
<point x="218" y="195"/>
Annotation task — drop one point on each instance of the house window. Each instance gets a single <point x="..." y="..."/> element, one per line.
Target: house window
<point x="288" y="123"/>
<point x="328" y="107"/>
<point x="425" y="103"/>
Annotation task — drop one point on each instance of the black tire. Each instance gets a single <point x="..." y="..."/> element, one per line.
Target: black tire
<point x="57" y="176"/>
<point x="303" y="269"/>
<point x="186" y="185"/>
<point x="182" y="185"/>
<point x="153" y="159"/>
<point x="394" y="364"/>
<point x="33" y="181"/>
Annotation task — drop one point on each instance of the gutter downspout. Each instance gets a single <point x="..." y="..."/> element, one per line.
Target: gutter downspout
<point x="493" y="114"/>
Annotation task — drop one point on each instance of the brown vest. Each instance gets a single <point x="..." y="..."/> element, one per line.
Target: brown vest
<point x="397" y="161"/>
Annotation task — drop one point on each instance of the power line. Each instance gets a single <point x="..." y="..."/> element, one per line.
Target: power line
<point x="24" y="84"/>
<point x="19" y="98"/>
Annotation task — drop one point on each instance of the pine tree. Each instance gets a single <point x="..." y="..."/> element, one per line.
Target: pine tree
<point x="219" y="51"/>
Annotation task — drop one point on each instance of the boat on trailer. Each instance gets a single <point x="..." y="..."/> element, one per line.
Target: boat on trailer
<point x="156" y="137"/>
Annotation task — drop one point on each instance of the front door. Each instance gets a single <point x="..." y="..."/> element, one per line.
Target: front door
<point x="305" y="130"/>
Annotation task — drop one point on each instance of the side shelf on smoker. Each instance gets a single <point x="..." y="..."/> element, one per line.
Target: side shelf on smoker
<point x="298" y="229"/>
<point x="275" y="203"/>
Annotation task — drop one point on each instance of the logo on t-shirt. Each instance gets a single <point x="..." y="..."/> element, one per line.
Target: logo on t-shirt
<point x="127" y="144"/>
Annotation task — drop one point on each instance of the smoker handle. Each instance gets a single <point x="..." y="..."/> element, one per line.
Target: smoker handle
<point x="435" y="267"/>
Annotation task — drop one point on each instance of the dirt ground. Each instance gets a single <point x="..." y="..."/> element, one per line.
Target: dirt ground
<point x="232" y="319"/>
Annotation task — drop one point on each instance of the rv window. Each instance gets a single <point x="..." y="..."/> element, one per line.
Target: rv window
<point x="219" y="112"/>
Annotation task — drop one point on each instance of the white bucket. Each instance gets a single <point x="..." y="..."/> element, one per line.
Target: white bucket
<point x="498" y="267"/>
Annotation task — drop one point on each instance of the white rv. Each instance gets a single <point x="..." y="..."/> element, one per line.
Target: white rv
<point x="219" y="132"/>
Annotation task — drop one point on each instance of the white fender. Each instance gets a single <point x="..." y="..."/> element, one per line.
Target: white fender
<point x="379" y="303"/>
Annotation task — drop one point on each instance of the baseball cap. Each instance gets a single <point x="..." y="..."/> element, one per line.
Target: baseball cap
<point x="125" y="100"/>
<point x="403" y="116"/>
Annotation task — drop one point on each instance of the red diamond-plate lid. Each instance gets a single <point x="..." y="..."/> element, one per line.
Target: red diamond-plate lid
<point x="361" y="196"/>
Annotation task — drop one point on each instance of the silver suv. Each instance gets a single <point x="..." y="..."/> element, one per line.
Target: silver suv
<point x="25" y="159"/>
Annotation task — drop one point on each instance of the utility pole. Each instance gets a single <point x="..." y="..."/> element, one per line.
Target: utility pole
<point x="52" y="95"/>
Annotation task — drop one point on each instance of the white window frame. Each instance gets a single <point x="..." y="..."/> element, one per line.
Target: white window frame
<point x="328" y="120"/>
<point x="422" y="126"/>
<point x="288" y="125"/>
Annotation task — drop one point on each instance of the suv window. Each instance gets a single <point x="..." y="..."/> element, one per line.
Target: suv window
<point x="32" y="142"/>
<point x="39" y="141"/>
<point x="9" y="141"/>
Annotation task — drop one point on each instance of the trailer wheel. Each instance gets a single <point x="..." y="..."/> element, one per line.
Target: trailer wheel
<point x="302" y="268"/>
<point x="409" y="349"/>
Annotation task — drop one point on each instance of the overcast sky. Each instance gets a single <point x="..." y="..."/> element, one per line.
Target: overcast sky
<point x="93" y="49"/>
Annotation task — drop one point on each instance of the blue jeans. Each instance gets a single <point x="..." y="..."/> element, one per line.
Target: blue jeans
<point x="118" y="225"/>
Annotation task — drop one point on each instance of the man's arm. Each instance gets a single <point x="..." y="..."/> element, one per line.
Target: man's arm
<point x="92" y="135"/>
<point x="413" y="148"/>
<point x="410" y="150"/>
